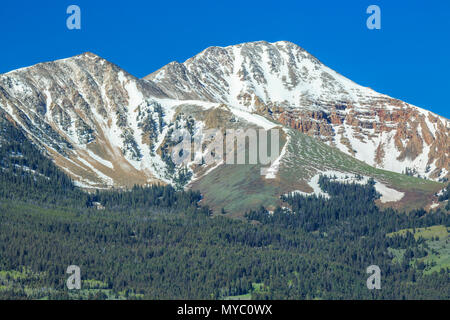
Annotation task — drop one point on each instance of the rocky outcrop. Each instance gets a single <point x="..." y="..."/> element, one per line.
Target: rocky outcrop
<point x="408" y="132"/>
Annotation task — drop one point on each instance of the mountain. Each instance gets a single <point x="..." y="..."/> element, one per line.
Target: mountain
<point x="285" y="83"/>
<point x="87" y="114"/>
<point x="106" y="128"/>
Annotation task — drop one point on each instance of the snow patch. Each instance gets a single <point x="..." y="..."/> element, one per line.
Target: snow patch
<point x="100" y="174"/>
<point x="387" y="194"/>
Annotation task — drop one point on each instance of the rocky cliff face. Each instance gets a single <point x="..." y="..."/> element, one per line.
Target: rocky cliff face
<point x="285" y="83"/>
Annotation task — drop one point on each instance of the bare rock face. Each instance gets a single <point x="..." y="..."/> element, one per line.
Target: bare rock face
<point x="284" y="82"/>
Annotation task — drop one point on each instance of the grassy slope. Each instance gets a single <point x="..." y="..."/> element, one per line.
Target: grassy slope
<point x="238" y="188"/>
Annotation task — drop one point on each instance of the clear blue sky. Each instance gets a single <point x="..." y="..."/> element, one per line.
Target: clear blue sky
<point x="409" y="58"/>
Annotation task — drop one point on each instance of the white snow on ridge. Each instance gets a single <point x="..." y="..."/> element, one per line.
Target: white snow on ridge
<point x="169" y="106"/>
<point x="254" y="118"/>
<point x="234" y="81"/>
<point x="196" y="177"/>
<point x="317" y="190"/>
<point x="48" y="102"/>
<point x="134" y="100"/>
<point x="105" y="178"/>
<point x="82" y="182"/>
<point x="388" y="194"/>
<point x="367" y="149"/>
<point x="275" y="166"/>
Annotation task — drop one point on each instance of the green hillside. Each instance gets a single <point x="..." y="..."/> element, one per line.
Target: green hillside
<point x="238" y="188"/>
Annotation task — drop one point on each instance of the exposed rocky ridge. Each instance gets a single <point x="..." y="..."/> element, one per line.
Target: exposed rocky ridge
<point x="284" y="82"/>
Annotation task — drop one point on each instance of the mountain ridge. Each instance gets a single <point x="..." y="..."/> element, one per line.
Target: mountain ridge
<point x="334" y="101"/>
<point x="107" y="128"/>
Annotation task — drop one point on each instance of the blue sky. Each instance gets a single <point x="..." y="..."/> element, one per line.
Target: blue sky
<point x="409" y="58"/>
